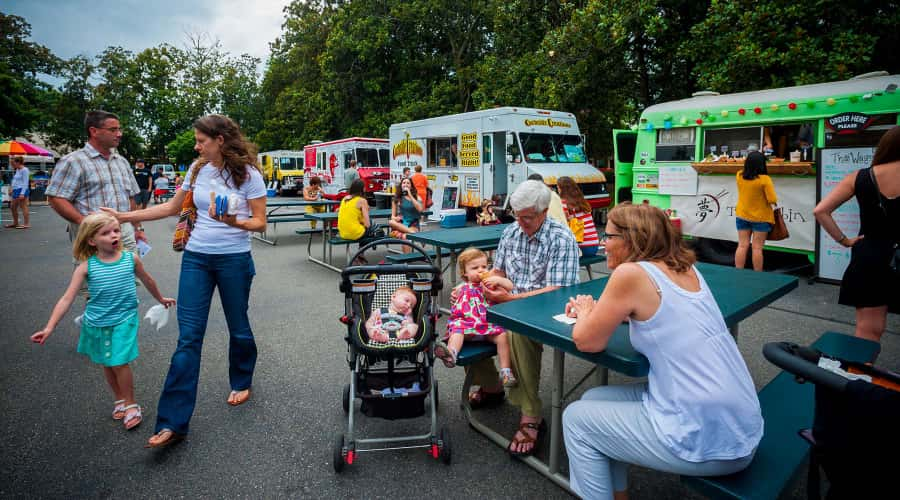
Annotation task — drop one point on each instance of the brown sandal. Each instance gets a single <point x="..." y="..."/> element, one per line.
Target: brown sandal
<point x="526" y="438"/>
<point x="483" y="399"/>
<point x="172" y="438"/>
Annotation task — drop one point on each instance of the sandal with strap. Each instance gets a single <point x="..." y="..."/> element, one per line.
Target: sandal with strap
<point x="526" y="438"/>
<point x="446" y="354"/>
<point x="237" y="398"/>
<point x="118" y="409"/>
<point x="134" y="418"/>
<point x="171" y="438"/>
<point x="480" y="398"/>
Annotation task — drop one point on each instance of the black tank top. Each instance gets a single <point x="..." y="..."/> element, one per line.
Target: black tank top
<point x="877" y="221"/>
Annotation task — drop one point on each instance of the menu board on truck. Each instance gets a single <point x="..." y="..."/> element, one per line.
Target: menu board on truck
<point x="832" y="258"/>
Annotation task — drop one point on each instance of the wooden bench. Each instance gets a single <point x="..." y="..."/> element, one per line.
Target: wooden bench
<point x="787" y="407"/>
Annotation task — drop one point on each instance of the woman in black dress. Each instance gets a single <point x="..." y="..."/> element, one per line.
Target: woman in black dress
<point x="869" y="283"/>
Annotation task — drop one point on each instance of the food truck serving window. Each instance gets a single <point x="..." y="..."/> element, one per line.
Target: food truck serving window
<point x="675" y="144"/>
<point x="553" y="148"/>
<point x="442" y="152"/>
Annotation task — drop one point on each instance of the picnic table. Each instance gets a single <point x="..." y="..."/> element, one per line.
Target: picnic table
<point x="533" y="317"/>
<point x="273" y="217"/>
<point x="457" y="239"/>
<point x="328" y="242"/>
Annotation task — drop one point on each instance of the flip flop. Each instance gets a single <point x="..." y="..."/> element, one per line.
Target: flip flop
<point x="171" y="439"/>
<point x="11" y="226"/>
<point x="445" y="353"/>
<point x="235" y="400"/>
<point x="21" y="227"/>
<point x="132" y="420"/>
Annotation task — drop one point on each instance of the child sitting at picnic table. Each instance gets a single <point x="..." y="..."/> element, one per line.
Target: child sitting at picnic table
<point x="395" y="319"/>
<point x="468" y="316"/>
<point x="313" y="192"/>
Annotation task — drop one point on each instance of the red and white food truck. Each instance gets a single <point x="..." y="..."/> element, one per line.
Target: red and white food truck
<point x="328" y="160"/>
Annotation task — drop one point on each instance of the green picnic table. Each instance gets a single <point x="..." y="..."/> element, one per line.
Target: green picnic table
<point x="738" y="292"/>
<point x="273" y="217"/>
<point x="328" y="242"/>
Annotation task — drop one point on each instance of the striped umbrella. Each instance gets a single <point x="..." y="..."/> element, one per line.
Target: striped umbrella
<point x="10" y="148"/>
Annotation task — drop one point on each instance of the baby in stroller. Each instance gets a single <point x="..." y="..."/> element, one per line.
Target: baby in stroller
<point x="468" y="316"/>
<point x="396" y="319"/>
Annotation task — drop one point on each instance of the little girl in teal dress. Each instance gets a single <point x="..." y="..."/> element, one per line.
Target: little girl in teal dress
<point x="110" y="322"/>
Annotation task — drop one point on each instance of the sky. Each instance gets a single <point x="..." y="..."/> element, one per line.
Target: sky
<point x="86" y="27"/>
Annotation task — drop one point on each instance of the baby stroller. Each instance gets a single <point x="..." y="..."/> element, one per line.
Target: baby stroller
<point x="392" y="378"/>
<point x="855" y="424"/>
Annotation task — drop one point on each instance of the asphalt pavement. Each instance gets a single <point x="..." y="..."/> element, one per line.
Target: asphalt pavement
<point x="57" y="439"/>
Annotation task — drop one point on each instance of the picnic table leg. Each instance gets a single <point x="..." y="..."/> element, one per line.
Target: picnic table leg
<point x="559" y="368"/>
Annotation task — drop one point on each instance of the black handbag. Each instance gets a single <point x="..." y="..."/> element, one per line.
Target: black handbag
<point x="895" y="256"/>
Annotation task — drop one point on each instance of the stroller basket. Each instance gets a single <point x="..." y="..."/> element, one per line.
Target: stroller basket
<point x="855" y="421"/>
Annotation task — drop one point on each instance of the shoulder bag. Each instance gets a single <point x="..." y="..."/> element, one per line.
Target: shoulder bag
<point x="779" y="228"/>
<point x="188" y="215"/>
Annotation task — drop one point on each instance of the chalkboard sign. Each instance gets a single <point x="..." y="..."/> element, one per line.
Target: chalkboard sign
<point x="832" y="258"/>
<point x="449" y="197"/>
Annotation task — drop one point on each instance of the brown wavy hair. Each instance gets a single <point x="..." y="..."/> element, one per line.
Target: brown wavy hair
<point x="569" y="191"/>
<point x="888" y="149"/>
<point x="237" y="151"/>
<point x="651" y="237"/>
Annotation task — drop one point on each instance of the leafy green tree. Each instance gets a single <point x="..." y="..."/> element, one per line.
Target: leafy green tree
<point x="239" y="93"/>
<point x="22" y="95"/>
<point x="181" y="149"/>
<point x="75" y="98"/>
<point x="750" y="45"/>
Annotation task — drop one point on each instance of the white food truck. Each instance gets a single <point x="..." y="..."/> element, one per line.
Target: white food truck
<point x="470" y="157"/>
<point x="327" y="160"/>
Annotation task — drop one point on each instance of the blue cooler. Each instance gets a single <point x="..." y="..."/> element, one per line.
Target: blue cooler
<point x="454" y="217"/>
<point x="270" y="193"/>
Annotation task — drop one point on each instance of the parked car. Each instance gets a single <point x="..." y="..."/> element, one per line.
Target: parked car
<point x="166" y="169"/>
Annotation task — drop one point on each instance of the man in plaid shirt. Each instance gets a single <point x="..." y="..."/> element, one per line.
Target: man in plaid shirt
<point x="95" y="176"/>
<point x="538" y="254"/>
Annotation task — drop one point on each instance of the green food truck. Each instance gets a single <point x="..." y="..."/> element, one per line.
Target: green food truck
<point x="683" y="156"/>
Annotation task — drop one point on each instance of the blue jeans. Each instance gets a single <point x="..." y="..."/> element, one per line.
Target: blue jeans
<point x="200" y="274"/>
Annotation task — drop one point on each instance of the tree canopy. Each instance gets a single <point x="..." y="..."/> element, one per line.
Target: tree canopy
<point x="354" y="67"/>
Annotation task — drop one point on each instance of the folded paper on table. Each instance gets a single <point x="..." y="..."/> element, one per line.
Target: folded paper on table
<point x="562" y="318"/>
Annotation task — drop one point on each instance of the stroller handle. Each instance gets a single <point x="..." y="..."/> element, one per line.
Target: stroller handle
<point x="802" y="362"/>
<point x="394" y="241"/>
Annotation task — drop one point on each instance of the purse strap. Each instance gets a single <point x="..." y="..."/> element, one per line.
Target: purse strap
<point x="877" y="191"/>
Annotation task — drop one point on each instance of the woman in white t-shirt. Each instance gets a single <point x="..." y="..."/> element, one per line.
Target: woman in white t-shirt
<point x="698" y="413"/>
<point x="216" y="256"/>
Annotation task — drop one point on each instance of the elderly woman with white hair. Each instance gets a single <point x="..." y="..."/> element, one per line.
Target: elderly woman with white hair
<point x="538" y="254"/>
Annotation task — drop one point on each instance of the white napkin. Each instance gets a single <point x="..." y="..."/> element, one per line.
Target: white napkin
<point x="158" y="316"/>
<point x="562" y="318"/>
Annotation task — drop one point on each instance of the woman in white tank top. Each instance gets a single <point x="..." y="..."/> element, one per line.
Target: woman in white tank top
<point x="698" y="413"/>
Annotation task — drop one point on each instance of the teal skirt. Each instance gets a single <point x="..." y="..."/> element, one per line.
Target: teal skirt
<point x="110" y="345"/>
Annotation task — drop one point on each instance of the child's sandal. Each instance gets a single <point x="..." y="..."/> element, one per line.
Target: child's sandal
<point x="118" y="409"/>
<point x="446" y="354"/>
<point x="509" y="380"/>
<point x="133" y="419"/>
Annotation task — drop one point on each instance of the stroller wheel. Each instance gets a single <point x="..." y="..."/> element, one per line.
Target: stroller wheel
<point x="346" y="399"/>
<point x="446" y="449"/>
<point x="339" y="453"/>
